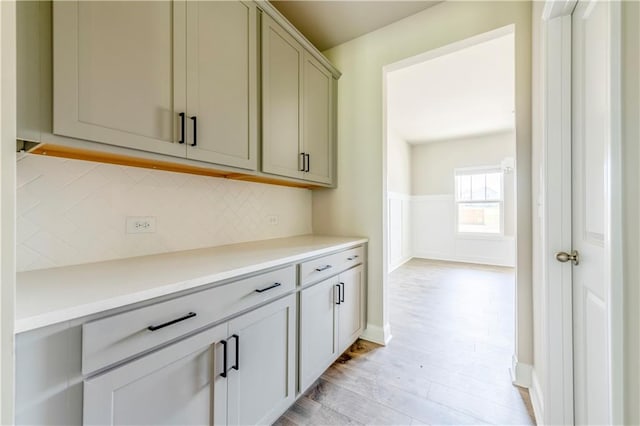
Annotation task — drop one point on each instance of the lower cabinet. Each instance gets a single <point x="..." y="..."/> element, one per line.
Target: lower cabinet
<point x="331" y="319"/>
<point x="239" y="372"/>
<point x="261" y="385"/>
<point x="237" y="353"/>
<point x="318" y="346"/>
<point x="350" y="318"/>
<point x="174" y="385"/>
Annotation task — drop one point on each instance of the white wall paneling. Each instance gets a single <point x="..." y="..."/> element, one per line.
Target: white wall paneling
<point x="400" y="231"/>
<point x="423" y="224"/>
<point x="433" y="235"/>
<point x="72" y="211"/>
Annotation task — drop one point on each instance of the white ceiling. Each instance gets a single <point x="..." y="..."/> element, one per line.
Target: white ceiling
<point x="464" y="93"/>
<point x="328" y="23"/>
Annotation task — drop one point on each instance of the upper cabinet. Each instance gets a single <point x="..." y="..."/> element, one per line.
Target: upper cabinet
<point x="282" y="59"/>
<point x="175" y="78"/>
<point x="117" y="78"/>
<point x="222" y="82"/>
<point x="317" y="120"/>
<point x="297" y="109"/>
<point x="220" y="86"/>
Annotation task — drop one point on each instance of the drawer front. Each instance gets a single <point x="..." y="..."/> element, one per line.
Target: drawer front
<point x="326" y="266"/>
<point x="350" y="258"/>
<point x="112" y="339"/>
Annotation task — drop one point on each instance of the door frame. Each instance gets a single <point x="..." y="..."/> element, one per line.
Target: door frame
<point x="8" y="166"/>
<point x="556" y="404"/>
<point x="521" y="373"/>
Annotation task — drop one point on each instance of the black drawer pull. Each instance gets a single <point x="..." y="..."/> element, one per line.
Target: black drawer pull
<point x="304" y="157"/>
<point x="195" y="130"/>
<point x="323" y="268"/>
<point x="261" y="290"/>
<point x="224" y="358"/>
<point x="339" y="294"/>
<point x="308" y="168"/>
<point x="354" y="257"/>
<point x="237" y="366"/>
<point x="342" y="293"/>
<point x="167" y="324"/>
<point x="182" y="124"/>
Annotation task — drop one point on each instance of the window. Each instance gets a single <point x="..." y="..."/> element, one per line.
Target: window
<point x="479" y="201"/>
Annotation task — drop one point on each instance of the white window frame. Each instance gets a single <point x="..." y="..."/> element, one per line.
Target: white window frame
<point x="477" y="171"/>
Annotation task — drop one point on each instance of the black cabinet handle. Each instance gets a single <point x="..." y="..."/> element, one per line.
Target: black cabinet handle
<point x="261" y="290"/>
<point x="303" y="161"/>
<point x="237" y="366"/>
<point x="339" y="295"/>
<point x="353" y="257"/>
<point x="182" y="126"/>
<point x="224" y="358"/>
<point x="195" y="130"/>
<point x="167" y="324"/>
<point x="342" y="293"/>
<point x="308" y="162"/>
<point x="323" y="268"/>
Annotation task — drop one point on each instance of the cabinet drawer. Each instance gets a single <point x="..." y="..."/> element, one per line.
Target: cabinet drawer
<point x="351" y="258"/>
<point x="112" y="339"/>
<point x="326" y="266"/>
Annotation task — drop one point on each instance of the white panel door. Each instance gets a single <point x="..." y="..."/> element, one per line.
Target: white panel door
<point x="282" y="58"/>
<point x="261" y="384"/>
<point x="119" y="72"/>
<point x="593" y="41"/>
<point x="318" y="330"/>
<point x="177" y="385"/>
<point x="221" y="83"/>
<point x="317" y="133"/>
<point x="350" y="309"/>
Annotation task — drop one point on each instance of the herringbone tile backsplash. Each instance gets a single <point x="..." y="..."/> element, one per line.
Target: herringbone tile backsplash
<point x="71" y="211"/>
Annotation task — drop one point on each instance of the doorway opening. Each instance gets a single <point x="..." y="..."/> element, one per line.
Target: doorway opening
<point x="450" y="220"/>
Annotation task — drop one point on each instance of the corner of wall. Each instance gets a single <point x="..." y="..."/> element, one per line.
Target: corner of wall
<point x="376" y="334"/>
<point x="520" y="373"/>
<point x="631" y="179"/>
<point x="537" y="400"/>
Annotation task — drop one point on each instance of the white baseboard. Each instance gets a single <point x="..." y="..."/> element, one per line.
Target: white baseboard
<point x="520" y="373"/>
<point x="399" y="263"/>
<point x="464" y="259"/>
<point x="535" y="393"/>
<point x="377" y="334"/>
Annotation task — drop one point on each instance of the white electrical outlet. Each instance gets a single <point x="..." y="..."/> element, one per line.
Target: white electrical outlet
<point x="273" y="219"/>
<point x="141" y="224"/>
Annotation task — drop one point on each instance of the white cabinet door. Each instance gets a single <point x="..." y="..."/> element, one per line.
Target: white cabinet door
<point x="262" y="385"/>
<point x="282" y="59"/>
<point x="119" y="73"/>
<point x="318" y="336"/>
<point x="177" y="385"/>
<point x="317" y="134"/>
<point x="350" y="317"/>
<point x="221" y="83"/>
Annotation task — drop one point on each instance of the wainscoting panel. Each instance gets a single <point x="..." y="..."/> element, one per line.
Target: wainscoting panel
<point x="431" y="234"/>
<point x="399" y="229"/>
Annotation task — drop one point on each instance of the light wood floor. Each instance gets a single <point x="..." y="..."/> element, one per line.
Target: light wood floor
<point x="448" y="361"/>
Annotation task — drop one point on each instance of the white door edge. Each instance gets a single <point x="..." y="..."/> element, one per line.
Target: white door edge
<point x="556" y="197"/>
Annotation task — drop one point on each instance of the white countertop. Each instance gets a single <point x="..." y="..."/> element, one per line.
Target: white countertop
<point x="50" y="296"/>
